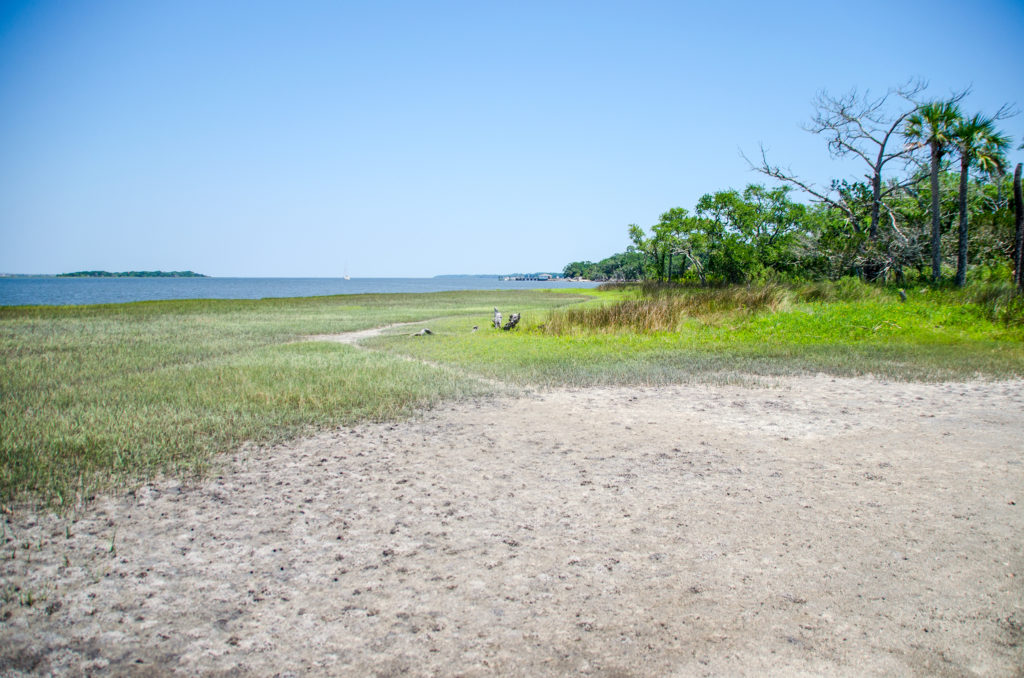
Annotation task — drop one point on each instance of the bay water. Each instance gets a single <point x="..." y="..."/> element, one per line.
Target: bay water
<point x="52" y="291"/>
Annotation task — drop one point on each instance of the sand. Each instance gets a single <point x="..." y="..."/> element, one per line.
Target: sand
<point x="807" y="526"/>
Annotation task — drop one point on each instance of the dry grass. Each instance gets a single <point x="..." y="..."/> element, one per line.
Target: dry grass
<point x="666" y="308"/>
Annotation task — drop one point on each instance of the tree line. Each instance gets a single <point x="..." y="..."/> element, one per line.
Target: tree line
<point x="935" y="197"/>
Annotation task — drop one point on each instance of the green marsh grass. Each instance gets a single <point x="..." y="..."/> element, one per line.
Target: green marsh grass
<point x="96" y="396"/>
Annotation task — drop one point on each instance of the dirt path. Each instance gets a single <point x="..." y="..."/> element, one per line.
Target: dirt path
<point x="356" y="338"/>
<point x="353" y="338"/>
<point x="818" y="527"/>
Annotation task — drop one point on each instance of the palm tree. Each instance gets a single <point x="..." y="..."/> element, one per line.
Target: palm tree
<point x="980" y="144"/>
<point x="932" y="126"/>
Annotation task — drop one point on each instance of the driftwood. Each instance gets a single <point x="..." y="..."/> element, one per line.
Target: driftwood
<point x="497" y="319"/>
<point x="513" y="320"/>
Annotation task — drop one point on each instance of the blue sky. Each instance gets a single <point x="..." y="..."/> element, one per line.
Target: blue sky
<point x="418" y="138"/>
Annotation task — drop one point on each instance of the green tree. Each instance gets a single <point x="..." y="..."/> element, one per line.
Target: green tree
<point x="933" y="125"/>
<point x="659" y="248"/>
<point x="579" y="269"/>
<point x="627" y="265"/>
<point x="667" y="231"/>
<point x="645" y="247"/>
<point x="978" y="143"/>
<point x="748" y="233"/>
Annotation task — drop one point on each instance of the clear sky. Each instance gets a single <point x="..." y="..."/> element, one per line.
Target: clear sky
<point x="412" y="139"/>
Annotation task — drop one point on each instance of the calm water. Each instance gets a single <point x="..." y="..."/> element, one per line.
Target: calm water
<point x="75" y="291"/>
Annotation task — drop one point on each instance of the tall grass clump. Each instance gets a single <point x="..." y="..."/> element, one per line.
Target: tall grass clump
<point x="844" y="289"/>
<point x="999" y="301"/>
<point x="665" y="308"/>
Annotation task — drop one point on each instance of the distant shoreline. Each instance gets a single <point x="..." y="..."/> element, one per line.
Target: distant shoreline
<point x="191" y="274"/>
<point x="503" y="276"/>
<point x="132" y="274"/>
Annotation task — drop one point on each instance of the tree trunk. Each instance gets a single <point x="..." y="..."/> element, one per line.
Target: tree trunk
<point x="1018" y="213"/>
<point x="872" y="269"/>
<point x="936" y="229"/>
<point x="876" y="201"/>
<point x="961" y="253"/>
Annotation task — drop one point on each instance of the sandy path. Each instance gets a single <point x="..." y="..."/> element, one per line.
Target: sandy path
<point x="820" y="526"/>
<point x="353" y="338"/>
<point x="356" y="338"/>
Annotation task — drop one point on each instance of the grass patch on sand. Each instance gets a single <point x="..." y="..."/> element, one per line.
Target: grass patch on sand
<point x="661" y="336"/>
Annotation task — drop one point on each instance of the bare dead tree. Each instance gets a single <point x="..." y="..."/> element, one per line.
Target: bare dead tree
<point x="859" y="125"/>
<point x="862" y="126"/>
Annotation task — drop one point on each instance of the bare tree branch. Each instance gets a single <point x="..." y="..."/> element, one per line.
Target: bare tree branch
<point x="788" y="177"/>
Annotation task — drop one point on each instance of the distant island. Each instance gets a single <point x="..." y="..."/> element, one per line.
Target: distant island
<point x="132" y="274"/>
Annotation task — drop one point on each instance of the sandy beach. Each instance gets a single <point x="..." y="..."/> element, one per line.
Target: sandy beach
<point x="800" y="526"/>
